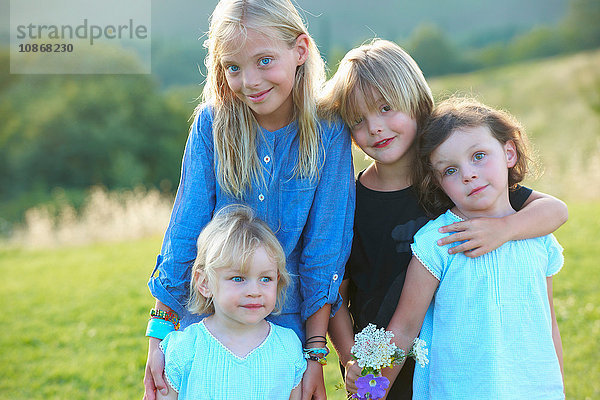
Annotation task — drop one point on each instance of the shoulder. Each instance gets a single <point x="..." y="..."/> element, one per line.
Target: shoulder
<point x="332" y="129"/>
<point x="555" y="254"/>
<point x="180" y="348"/>
<point x="285" y="335"/>
<point x="434" y="258"/>
<point x="182" y="339"/>
<point x="287" y="348"/>
<point x="203" y="118"/>
<point x="430" y="229"/>
<point x="285" y="339"/>
<point x="204" y="112"/>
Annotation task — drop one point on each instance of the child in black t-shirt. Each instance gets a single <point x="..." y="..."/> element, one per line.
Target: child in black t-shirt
<point x="382" y="95"/>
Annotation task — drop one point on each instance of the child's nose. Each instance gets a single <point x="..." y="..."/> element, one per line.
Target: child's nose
<point x="251" y="78"/>
<point x="469" y="174"/>
<point x="253" y="289"/>
<point x="374" y="126"/>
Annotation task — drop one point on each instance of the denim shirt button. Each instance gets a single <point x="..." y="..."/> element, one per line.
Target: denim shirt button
<point x="335" y="277"/>
<point x="261" y="197"/>
<point x="267" y="159"/>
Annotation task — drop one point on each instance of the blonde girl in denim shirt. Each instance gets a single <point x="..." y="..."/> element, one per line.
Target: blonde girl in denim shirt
<point x="256" y="139"/>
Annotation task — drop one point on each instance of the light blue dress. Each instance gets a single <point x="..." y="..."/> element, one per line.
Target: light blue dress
<point x="200" y="367"/>
<point x="489" y="327"/>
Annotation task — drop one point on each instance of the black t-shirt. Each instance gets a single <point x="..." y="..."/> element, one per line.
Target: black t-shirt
<point x="384" y="227"/>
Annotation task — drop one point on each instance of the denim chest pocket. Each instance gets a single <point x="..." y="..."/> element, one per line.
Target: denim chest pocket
<point x="295" y="200"/>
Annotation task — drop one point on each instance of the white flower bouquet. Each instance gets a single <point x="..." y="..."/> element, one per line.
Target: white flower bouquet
<point x="373" y="350"/>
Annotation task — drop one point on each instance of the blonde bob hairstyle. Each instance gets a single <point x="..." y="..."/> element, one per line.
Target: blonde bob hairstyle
<point x="377" y="69"/>
<point x="457" y="113"/>
<point x="234" y="126"/>
<point x="230" y="239"/>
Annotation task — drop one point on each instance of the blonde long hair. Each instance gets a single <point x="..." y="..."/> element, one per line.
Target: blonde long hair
<point x="377" y="68"/>
<point x="234" y="125"/>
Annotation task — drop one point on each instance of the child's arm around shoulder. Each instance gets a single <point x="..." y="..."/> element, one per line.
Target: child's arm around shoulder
<point x="540" y="215"/>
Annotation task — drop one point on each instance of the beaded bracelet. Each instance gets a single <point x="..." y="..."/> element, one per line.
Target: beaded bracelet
<point x="317" y="354"/>
<point x="167" y="316"/>
<point x="159" y="328"/>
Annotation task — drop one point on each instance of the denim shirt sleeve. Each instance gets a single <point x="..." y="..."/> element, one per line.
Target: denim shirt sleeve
<point x="327" y="235"/>
<point x="192" y="210"/>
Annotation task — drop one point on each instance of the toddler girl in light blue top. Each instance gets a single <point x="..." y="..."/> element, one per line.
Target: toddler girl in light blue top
<point x="489" y="320"/>
<point x="239" y="278"/>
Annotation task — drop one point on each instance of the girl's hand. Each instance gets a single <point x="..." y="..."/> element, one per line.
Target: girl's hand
<point x="153" y="376"/>
<point x="352" y="374"/>
<point x="482" y="235"/>
<point x="313" y="385"/>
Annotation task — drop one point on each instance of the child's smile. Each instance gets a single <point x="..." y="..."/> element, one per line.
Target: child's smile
<point x="246" y="297"/>
<point x="384" y="134"/>
<point x="261" y="74"/>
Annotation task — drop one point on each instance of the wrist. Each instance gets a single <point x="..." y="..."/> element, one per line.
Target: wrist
<point x="161" y="323"/>
<point x="506" y="223"/>
<point x="317" y="354"/>
<point x="315" y="341"/>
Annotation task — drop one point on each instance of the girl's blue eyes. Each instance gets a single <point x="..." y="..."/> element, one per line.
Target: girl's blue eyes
<point x="263" y="62"/>
<point x="238" y="279"/>
<point x="478" y="156"/>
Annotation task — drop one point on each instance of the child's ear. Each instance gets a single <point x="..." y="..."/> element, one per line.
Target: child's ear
<point x="511" y="153"/>
<point x="301" y="48"/>
<point x="201" y="281"/>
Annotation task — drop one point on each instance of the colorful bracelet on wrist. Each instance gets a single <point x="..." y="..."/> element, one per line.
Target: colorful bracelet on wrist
<point x="318" y="354"/>
<point x="159" y="328"/>
<point x="167" y="316"/>
<point x="316" y="339"/>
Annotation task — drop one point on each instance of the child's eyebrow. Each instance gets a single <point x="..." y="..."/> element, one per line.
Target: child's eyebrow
<point x="264" y="52"/>
<point x="231" y="270"/>
<point x="440" y="163"/>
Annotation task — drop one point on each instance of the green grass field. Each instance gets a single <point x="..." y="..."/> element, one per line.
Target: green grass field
<point x="74" y="318"/>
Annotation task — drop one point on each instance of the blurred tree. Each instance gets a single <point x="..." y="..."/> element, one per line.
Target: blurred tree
<point x="582" y="24"/>
<point x="77" y="131"/>
<point x="431" y="49"/>
<point x="539" y="42"/>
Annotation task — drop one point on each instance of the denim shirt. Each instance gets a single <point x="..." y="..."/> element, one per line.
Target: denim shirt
<point x="311" y="219"/>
